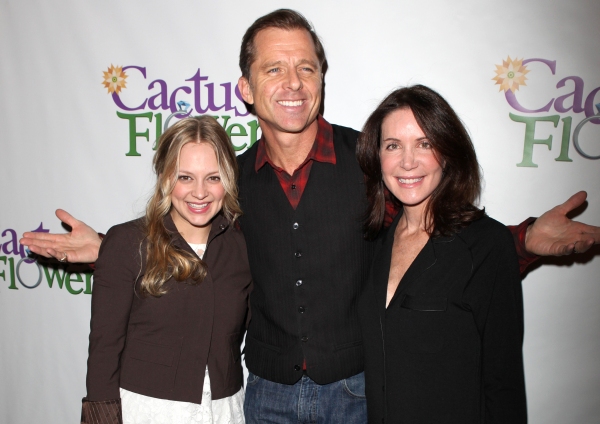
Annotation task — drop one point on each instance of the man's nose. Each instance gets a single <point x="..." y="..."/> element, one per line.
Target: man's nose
<point x="294" y="81"/>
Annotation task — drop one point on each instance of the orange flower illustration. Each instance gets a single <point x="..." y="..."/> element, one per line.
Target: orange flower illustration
<point x="511" y="74"/>
<point x="114" y="79"/>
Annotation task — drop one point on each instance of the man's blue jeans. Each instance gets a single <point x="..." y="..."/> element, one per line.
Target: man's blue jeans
<point x="306" y="401"/>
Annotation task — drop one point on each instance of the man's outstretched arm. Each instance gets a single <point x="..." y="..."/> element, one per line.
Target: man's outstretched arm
<point x="552" y="234"/>
<point x="80" y="245"/>
<point x="555" y="234"/>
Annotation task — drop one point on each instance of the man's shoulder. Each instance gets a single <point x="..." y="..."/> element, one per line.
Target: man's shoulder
<point x="242" y="158"/>
<point x="344" y="141"/>
<point x="247" y="160"/>
<point x="341" y="132"/>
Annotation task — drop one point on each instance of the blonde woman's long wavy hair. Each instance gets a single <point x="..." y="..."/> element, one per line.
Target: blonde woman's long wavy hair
<point x="163" y="260"/>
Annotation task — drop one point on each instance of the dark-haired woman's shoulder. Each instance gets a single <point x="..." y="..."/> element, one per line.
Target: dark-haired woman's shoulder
<point x="486" y="233"/>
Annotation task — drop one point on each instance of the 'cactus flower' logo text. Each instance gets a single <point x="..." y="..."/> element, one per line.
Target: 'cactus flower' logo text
<point x="199" y="94"/>
<point x="510" y="76"/>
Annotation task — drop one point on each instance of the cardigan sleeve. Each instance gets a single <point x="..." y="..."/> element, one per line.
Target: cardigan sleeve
<point x="101" y="412"/>
<point x="117" y="268"/>
<point x="498" y="311"/>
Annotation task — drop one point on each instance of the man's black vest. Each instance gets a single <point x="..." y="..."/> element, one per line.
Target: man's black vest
<point x="308" y="267"/>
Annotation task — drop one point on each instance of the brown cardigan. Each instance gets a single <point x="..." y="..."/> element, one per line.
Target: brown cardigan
<point x="160" y="346"/>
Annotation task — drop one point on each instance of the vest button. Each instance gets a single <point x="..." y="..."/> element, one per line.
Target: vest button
<point x="298" y="254"/>
<point x="293" y="186"/>
<point x="301" y="309"/>
<point x="295" y="226"/>
<point x="304" y="339"/>
<point x="298" y="283"/>
<point x="297" y="367"/>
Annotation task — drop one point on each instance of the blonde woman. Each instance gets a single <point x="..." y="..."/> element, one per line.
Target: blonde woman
<point x="170" y="294"/>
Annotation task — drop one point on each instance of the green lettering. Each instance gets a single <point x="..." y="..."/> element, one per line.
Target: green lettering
<point x="11" y="267"/>
<point x="254" y="132"/>
<point x="240" y="133"/>
<point x="530" y="139"/>
<point x="55" y="273"/>
<point x="225" y="120"/>
<point x="133" y="134"/>
<point x="159" y="123"/>
<point x="564" y="145"/>
<point x="88" y="282"/>
<point x="69" y="278"/>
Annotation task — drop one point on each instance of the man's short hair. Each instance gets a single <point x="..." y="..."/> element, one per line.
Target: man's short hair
<point x="286" y="19"/>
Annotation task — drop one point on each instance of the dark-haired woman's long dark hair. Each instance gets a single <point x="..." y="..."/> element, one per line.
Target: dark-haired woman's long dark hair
<point x="451" y="206"/>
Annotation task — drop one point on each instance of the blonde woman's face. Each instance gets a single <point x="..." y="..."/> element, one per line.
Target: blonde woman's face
<point x="198" y="194"/>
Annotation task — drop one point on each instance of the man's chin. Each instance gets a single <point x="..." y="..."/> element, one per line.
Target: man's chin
<point x="297" y="126"/>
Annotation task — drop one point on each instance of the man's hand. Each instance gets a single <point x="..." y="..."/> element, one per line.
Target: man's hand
<point x="80" y="245"/>
<point x="555" y="234"/>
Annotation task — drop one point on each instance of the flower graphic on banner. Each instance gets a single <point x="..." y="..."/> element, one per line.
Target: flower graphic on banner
<point x="511" y="74"/>
<point x="114" y="79"/>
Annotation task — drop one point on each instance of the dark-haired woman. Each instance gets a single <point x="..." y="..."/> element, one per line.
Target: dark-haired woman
<point x="170" y="295"/>
<point x="442" y="313"/>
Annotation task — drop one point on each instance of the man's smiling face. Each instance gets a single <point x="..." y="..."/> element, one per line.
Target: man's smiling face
<point x="285" y="81"/>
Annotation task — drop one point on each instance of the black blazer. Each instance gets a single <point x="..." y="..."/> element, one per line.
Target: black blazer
<point x="448" y="349"/>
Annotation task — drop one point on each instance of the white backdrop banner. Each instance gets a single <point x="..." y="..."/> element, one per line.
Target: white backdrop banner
<point x="86" y="88"/>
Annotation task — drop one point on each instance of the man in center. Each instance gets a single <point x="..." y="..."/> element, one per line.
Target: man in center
<point x="303" y="197"/>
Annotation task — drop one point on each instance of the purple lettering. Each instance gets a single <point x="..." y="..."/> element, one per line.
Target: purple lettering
<point x="197" y="79"/>
<point x="173" y="101"/>
<point x="577" y="94"/>
<point x="11" y="243"/>
<point x="512" y="99"/>
<point x="589" y="106"/>
<point x="164" y="104"/>
<point x="116" y="97"/>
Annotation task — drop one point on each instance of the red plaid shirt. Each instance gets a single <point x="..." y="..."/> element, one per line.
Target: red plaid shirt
<point x="294" y="185"/>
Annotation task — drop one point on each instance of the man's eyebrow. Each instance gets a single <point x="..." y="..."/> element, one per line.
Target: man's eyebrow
<point x="308" y="61"/>
<point x="271" y="64"/>
<point x="281" y="62"/>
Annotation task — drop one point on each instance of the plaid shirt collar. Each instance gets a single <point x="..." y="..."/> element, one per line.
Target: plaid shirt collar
<point x="322" y="150"/>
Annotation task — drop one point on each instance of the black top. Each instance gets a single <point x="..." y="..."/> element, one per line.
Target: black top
<point x="448" y="349"/>
<point x="308" y="266"/>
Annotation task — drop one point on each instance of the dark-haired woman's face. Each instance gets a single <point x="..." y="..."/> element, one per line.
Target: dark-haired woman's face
<point x="409" y="166"/>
